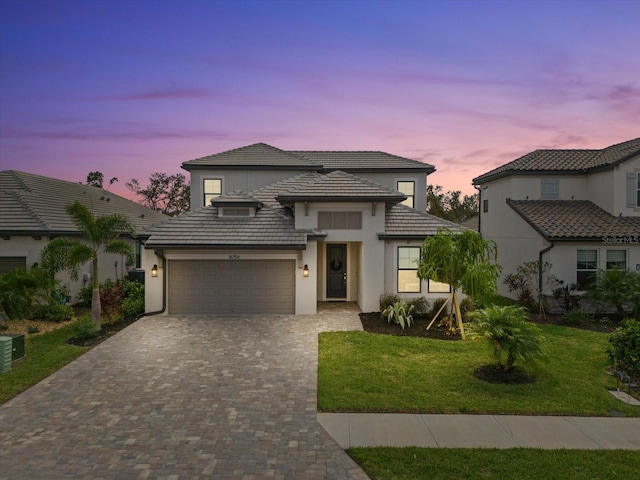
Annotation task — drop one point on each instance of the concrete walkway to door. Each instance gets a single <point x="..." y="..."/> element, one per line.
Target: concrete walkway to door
<point x="183" y="398"/>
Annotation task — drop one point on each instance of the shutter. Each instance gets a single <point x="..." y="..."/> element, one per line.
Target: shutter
<point x="632" y="189"/>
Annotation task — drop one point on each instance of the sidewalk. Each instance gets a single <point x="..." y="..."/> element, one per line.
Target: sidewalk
<point x="481" y="431"/>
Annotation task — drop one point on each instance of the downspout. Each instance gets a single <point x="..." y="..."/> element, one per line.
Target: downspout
<point x="164" y="289"/>
<point x="542" y="252"/>
<point x="479" y="189"/>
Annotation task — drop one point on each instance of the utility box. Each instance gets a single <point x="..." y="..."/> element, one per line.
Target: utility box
<point x="136" y="275"/>
<point x="5" y="353"/>
<point x="17" y="348"/>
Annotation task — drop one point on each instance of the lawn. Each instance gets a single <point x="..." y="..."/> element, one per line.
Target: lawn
<point x="44" y="354"/>
<point x="364" y="372"/>
<point x="482" y="464"/>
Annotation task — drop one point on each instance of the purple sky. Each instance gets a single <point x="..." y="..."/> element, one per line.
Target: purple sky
<point x="131" y="87"/>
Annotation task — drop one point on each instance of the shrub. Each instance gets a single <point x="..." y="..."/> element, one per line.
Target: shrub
<point x="574" y="317"/>
<point x="437" y="304"/>
<point x="617" y="287"/>
<point x="564" y="293"/>
<point x="624" y="347"/>
<point x="518" y="285"/>
<point x="84" y="296"/>
<point x="420" y="305"/>
<point x="52" y="312"/>
<point x="20" y="289"/>
<point x="32" y="330"/>
<point x="399" y="313"/>
<point x="387" y="299"/>
<point x="133" y="302"/>
<point x="512" y="338"/>
<point x="84" y="329"/>
<point x="467" y="307"/>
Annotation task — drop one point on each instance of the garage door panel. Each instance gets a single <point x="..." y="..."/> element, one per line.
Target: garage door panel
<point x="231" y="286"/>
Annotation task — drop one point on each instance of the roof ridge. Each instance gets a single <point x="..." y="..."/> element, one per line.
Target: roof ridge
<point x="17" y="175"/>
<point x="23" y="201"/>
<point x="361" y="179"/>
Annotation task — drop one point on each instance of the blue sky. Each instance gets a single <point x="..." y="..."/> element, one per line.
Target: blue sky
<point x="132" y="87"/>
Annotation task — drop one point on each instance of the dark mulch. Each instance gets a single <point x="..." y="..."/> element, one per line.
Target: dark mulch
<point x="605" y="324"/>
<point x="108" y="330"/>
<point x="372" y="322"/>
<point x="495" y="374"/>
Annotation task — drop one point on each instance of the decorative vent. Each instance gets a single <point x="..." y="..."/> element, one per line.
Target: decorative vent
<point x="236" y="212"/>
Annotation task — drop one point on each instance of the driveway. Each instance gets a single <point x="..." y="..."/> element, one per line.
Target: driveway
<point x="182" y="398"/>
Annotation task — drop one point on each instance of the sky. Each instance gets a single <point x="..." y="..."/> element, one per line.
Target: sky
<point x="131" y="87"/>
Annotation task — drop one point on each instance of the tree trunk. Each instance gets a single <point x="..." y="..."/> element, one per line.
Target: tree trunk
<point x="96" y="308"/>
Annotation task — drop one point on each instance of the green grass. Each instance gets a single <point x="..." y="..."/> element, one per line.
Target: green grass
<point x="44" y="354"/>
<point x="482" y="464"/>
<point x="363" y="372"/>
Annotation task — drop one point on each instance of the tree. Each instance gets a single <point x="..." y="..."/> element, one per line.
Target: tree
<point x="465" y="261"/>
<point x="169" y="194"/>
<point x="512" y="338"/>
<point x="21" y="289"/>
<point x="96" y="179"/>
<point x="449" y="206"/>
<point x="100" y="234"/>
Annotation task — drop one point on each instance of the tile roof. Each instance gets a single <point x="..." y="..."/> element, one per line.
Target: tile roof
<point x="574" y="220"/>
<point x="405" y="222"/>
<point x="203" y="228"/>
<point x="261" y="155"/>
<point x="564" y="161"/>
<point x="257" y="155"/>
<point x="339" y="186"/>
<point x="353" y="161"/>
<point x="34" y="204"/>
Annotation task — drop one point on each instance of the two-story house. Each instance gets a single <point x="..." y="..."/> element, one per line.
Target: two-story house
<point x="274" y="231"/>
<point x="576" y="209"/>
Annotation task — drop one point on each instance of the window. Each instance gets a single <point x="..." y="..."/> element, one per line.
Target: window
<point x="550" y="188"/>
<point x="587" y="266"/>
<point x="340" y="220"/>
<point x="439" y="287"/>
<point x="616" y="259"/>
<point x="638" y="191"/>
<point x="212" y="188"/>
<point x="485" y="206"/>
<point x="408" y="258"/>
<point x="409" y="189"/>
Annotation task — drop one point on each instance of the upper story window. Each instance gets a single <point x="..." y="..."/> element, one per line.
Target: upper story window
<point x="485" y="206"/>
<point x="638" y="190"/>
<point x="587" y="266"/>
<point x="408" y="258"/>
<point x="633" y="189"/>
<point x="340" y="220"/>
<point x="616" y="259"/>
<point x="409" y="189"/>
<point x="550" y="188"/>
<point x="211" y="188"/>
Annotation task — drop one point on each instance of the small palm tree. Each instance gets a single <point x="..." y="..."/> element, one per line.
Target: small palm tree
<point x="99" y="234"/>
<point x="512" y="337"/>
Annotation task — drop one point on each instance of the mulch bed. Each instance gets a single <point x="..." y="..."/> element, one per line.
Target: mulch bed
<point x="372" y="322"/>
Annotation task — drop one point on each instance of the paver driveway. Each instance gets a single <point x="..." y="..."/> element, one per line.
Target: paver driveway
<point x="182" y="398"/>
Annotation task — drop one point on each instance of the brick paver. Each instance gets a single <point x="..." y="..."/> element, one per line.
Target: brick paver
<point x="184" y="397"/>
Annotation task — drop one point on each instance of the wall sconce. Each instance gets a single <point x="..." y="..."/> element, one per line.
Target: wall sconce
<point x="154" y="270"/>
<point x="305" y="271"/>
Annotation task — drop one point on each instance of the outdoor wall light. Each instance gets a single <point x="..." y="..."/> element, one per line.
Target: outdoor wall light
<point x="305" y="271"/>
<point x="154" y="270"/>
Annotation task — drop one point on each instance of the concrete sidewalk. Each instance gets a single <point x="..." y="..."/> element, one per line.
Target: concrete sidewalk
<point x="481" y="431"/>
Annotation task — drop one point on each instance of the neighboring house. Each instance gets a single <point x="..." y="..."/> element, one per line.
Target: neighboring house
<point x="274" y="231"/>
<point x="33" y="212"/>
<point x="577" y="209"/>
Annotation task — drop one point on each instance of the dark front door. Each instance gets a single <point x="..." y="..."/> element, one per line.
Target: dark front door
<point x="336" y="271"/>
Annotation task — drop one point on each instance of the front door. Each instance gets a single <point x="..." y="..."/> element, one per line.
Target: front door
<point x="336" y="271"/>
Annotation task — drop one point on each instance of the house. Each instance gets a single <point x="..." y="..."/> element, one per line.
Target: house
<point x="579" y="210"/>
<point x="33" y="212"/>
<point x="275" y="231"/>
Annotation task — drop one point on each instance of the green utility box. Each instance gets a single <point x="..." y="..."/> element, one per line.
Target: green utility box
<point x="17" y="348"/>
<point x="5" y="353"/>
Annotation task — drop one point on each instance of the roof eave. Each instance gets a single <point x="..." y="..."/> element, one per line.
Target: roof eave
<point x="482" y="179"/>
<point x="194" y="166"/>
<point x="288" y="199"/>
<point x="220" y="246"/>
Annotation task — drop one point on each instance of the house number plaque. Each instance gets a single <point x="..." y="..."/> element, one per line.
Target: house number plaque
<point x="234" y="257"/>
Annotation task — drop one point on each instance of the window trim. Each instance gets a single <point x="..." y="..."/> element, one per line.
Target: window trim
<point x="411" y="199"/>
<point x="204" y="192"/>
<point x="591" y="271"/>
<point x="553" y="184"/>
<point x="399" y="269"/>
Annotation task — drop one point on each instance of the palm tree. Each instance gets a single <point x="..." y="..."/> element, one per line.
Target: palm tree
<point x="512" y="337"/>
<point x="99" y="234"/>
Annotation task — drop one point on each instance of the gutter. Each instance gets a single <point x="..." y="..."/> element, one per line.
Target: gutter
<point x="540" y="254"/>
<point x="479" y="189"/>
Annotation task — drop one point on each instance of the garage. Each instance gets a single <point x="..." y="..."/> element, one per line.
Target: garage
<point x="231" y="286"/>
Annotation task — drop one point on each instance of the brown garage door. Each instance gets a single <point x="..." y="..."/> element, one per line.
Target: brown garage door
<point x="231" y="286"/>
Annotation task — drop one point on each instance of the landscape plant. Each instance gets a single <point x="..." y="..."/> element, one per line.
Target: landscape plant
<point x="99" y="234"/>
<point x="420" y="305"/>
<point x="464" y="260"/>
<point x="21" y="289"/>
<point x="527" y="282"/>
<point x="624" y="347"/>
<point x="51" y="312"/>
<point x="387" y="299"/>
<point x="510" y="335"/>
<point x="617" y="287"/>
<point x="399" y="313"/>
